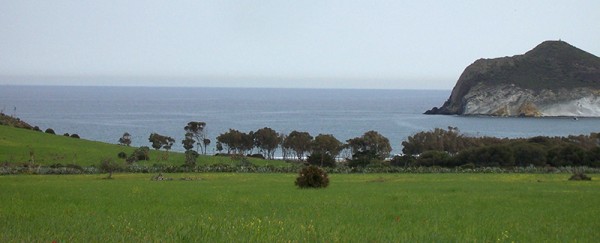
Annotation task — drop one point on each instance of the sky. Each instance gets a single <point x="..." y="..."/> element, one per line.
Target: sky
<point x="282" y="44"/>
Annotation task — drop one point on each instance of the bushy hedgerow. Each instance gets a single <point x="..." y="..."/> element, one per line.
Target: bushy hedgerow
<point x="13" y="169"/>
<point x="312" y="177"/>
<point x="581" y="150"/>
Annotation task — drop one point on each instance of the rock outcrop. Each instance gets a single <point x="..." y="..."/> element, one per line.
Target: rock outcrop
<point x="553" y="79"/>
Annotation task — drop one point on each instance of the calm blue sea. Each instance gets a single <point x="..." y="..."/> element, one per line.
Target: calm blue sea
<point x="105" y="113"/>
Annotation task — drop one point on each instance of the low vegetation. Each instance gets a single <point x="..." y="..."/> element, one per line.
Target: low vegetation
<point x="229" y="207"/>
<point x="370" y="152"/>
<point x="312" y="177"/>
<point x="470" y="198"/>
<point x="449" y="148"/>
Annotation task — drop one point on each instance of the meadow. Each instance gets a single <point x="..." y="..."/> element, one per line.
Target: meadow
<point x="230" y="207"/>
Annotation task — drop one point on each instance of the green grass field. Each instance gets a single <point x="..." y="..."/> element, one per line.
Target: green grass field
<point x="16" y="145"/>
<point x="268" y="208"/>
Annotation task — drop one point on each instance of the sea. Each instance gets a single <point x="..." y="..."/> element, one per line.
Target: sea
<point x="105" y="113"/>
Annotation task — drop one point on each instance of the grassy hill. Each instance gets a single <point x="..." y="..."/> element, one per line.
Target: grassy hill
<point x="551" y="65"/>
<point x="18" y="146"/>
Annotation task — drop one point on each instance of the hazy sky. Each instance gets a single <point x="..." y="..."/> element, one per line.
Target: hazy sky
<point x="316" y="44"/>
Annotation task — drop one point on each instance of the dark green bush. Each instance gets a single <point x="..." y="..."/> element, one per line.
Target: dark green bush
<point x="191" y="157"/>
<point x="318" y="159"/>
<point x="594" y="157"/>
<point x="567" y="155"/>
<point x="580" y="176"/>
<point x="433" y="158"/>
<point x="362" y="158"/>
<point x="54" y="166"/>
<point x="50" y="131"/>
<point x="259" y="156"/>
<point x="404" y="160"/>
<point x="140" y="153"/>
<point x="526" y="154"/>
<point x="74" y="135"/>
<point x="312" y="177"/>
<point x="122" y="155"/>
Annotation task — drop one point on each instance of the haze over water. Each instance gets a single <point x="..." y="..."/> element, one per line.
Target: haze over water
<point x="105" y="113"/>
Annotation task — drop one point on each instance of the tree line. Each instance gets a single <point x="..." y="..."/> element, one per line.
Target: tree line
<point x="450" y="148"/>
<point x="322" y="150"/>
<point x="438" y="147"/>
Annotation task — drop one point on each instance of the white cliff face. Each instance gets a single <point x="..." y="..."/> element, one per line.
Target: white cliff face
<point x="508" y="100"/>
<point x="588" y="106"/>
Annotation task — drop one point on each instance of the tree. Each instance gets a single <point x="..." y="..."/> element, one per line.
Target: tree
<point x="125" y="140"/>
<point x="450" y="141"/>
<point x="188" y="142"/>
<point x="205" y="142"/>
<point x="159" y="141"/>
<point x="299" y="143"/>
<point x="285" y="152"/>
<point x="168" y="143"/>
<point x="319" y="159"/>
<point x="219" y="147"/>
<point x="371" y="143"/>
<point x="236" y="141"/>
<point x="109" y="166"/>
<point x="267" y="141"/>
<point x="197" y="129"/>
<point x="326" y="146"/>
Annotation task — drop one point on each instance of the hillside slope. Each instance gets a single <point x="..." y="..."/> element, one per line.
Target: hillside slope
<point x="22" y="146"/>
<point x="19" y="146"/>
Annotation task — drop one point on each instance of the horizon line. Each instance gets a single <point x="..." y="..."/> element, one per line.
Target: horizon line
<point x="213" y="87"/>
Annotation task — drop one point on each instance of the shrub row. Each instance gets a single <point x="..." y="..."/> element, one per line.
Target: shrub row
<point x="7" y="169"/>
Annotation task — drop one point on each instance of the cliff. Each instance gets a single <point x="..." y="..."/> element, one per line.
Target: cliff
<point x="553" y="79"/>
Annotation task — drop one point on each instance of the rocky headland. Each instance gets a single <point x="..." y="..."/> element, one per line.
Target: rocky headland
<point x="553" y="79"/>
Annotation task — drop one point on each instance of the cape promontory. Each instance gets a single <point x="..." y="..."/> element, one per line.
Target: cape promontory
<point x="553" y="79"/>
